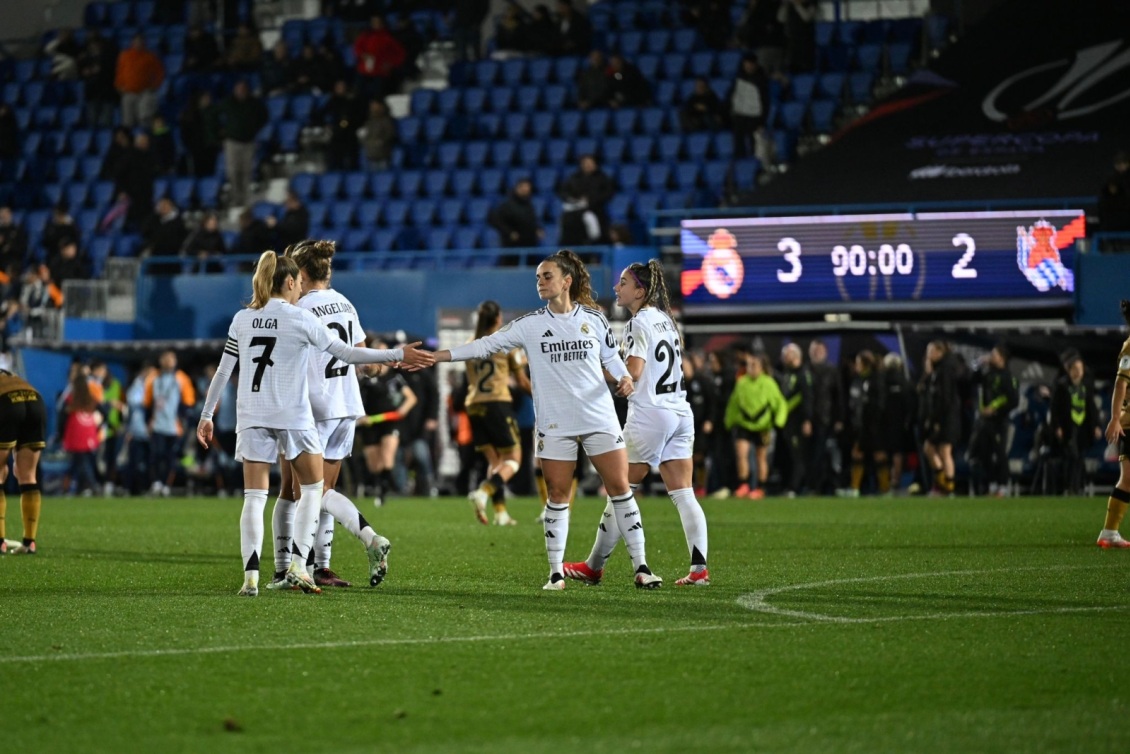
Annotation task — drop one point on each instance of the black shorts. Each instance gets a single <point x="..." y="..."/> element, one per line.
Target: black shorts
<point x="23" y="420"/>
<point x="945" y="432"/>
<point x="372" y="434"/>
<point x="1124" y="446"/>
<point x="759" y="439"/>
<point x="493" y="424"/>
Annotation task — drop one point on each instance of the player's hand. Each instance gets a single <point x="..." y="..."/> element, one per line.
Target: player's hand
<point x="415" y="359"/>
<point x="625" y="387"/>
<point x="1114" y="430"/>
<point x="204" y="432"/>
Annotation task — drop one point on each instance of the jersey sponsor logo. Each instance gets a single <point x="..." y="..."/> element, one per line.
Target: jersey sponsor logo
<point x="567" y="350"/>
<point x="547" y="334"/>
<point x="507" y="326"/>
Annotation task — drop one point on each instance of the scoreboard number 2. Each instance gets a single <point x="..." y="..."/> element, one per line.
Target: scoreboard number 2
<point x="961" y="270"/>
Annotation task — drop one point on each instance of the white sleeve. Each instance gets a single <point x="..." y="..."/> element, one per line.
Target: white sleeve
<point x="635" y="342"/>
<point x="319" y="336"/>
<point x="506" y="339"/>
<point x="219" y="382"/>
<point x="610" y="356"/>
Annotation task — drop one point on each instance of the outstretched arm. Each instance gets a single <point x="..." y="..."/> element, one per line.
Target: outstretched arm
<point x="215" y="388"/>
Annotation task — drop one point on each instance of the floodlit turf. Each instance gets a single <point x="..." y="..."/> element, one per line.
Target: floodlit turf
<point x="832" y="626"/>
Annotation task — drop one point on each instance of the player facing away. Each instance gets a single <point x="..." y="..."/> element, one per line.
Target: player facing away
<point x="1116" y="429"/>
<point x="335" y="399"/>
<point x="23" y="429"/>
<point x="569" y="344"/>
<point x="272" y="340"/>
<point x="660" y="427"/>
<point x="494" y="430"/>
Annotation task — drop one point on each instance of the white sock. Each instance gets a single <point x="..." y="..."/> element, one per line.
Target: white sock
<point x="1108" y="533"/>
<point x="346" y="513"/>
<point x="630" y="523"/>
<point x="607" y="535"/>
<point x="251" y="533"/>
<point x="306" y="522"/>
<point x="282" y="528"/>
<point x="324" y="541"/>
<point x="694" y="525"/>
<point x="556" y="532"/>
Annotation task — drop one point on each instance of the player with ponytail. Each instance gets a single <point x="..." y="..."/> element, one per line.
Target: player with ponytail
<point x="1116" y="432"/>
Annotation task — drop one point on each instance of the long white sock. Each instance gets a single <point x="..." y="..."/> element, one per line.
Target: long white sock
<point x="282" y="529"/>
<point x="694" y="525"/>
<point x="346" y="513"/>
<point x="306" y="521"/>
<point x="324" y="541"/>
<point x="251" y="533"/>
<point x="556" y="532"/>
<point x="630" y="523"/>
<point x="607" y="535"/>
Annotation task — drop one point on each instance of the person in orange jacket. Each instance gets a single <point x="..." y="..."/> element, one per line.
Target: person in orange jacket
<point x="138" y="77"/>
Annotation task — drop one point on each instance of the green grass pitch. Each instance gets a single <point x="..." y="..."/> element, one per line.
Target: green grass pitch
<point x="907" y="625"/>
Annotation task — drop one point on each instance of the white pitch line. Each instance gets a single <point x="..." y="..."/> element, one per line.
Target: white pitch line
<point x="757" y="601"/>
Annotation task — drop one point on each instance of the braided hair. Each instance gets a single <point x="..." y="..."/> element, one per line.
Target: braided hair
<point x="650" y="277"/>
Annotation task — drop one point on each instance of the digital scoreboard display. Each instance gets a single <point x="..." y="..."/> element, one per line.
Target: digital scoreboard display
<point x="841" y="263"/>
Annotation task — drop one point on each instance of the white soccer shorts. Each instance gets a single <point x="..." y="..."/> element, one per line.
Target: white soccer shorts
<point x="564" y="447"/>
<point x="655" y="435"/>
<point x="263" y="445"/>
<point x="337" y="438"/>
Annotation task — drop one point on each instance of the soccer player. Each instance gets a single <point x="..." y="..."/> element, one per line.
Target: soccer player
<point x="387" y="400"/>
<point x="941" y="409"/>
<point x="271" y="340"/>
<point x="570" y="344"/>
<point x="23" y="428"/>
<point x="335" y="399"/>
<point x="1116" y="428"/>
<point x="494" y="430"/>
<point x="660" y="426"/>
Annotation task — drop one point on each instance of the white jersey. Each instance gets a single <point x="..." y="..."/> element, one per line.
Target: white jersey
<point x="334" y="392"/>
<point x="567" y="354"/>
<point x="651" y="335"/>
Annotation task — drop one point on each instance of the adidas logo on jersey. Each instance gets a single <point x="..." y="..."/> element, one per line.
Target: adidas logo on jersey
<point x="547" y="334"/>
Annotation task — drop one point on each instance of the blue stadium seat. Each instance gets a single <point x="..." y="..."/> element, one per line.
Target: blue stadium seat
<point x="409" y="129"/>
<point x="802" y="86"/>
<point x="423" y="213"/>
<point x="728" y="63"/>
<point x="790" y="116"/>
<point x="630" y="43"/>
<point x="558" y="151"/>
<point x="640" y="149"/>
<point x="823" y="112"/>
<point x="102" y="194"/>
<point x="686" y="175"/>
<point x="745" y="172"/>
<point x="435" y="183"/>
<point x="449" y="155"/>
<point x="849" y="32"/>
<point x="539" y="71"/>
<point x="666" y="93"/>
<point x="723" y="145"/>
<point x="423" y="102"/>
<point x="465" y="237"/>
<point x="474" y="100"/>
<point x="668" y="147"/>
<point x="409" y="183"/>
<point x="629" y="177"/>
<point x="569" y="124"/>
<point x="501" y="99"/>
<point x="514" y="126"/>
<point x="90" y="167"/>
<point x="341" y="214"/>
<point x="831" y="85"/>
<point x="657" y="41"/>
<point x="584" y="145"/>
<point x="463" y="183"/>
<point x="490" y="182"/>
<point x="619" y="208"/>
<point x="52" y="193"/>
<point x="450" y="212"/>
<point x="697" y="145"/>
<point x="435" y="127"/>
<point x="69" y="117"/>
<point x="715" y="174"/>
<point x="825" y="32"/>
<point x="488" y="125"/>
<point x="77" y="195"/>
<point x="869" y="58"/>
<point x="657" y="175"/>
<point x="486" y="72"/>
<point x="541" y="125"/>
<point x="354" y="185"/>
<point x="836" y="58"/>
<point x="208" y="192"/>
<point x="565" y="70"/>
<point x="318" y="211"/>
<point x="66" y="169"/>
<point x="438" y="239"/>
<point x="382" y="184"/>
<point x="80" y="142"/>
<point x="674" y="66"/>
<point x="527" y="98"/>
<point x="395" y="213"/>
<point x="684" y="41"/>
<point x="383" y="240"/>
<point x="612" y="150"/>
<point x="701" y="65"/>
<point x="449" y="102"/>
<point x="276" y="107"/>
<point x="303" y="184"/>
<point x="898" y="58"/>
<point x="368" y="213"/>
<point x="183" y="192"/>
<point x="357" y="239"/>
<point x="625" y="121"/>
<point x="502" y="153"/>
<point x="597" y="122"/>
<point x="545" y="179"/>
<point x="329" y="186"/>
<point x="530" y="152"/>
<point x="478" y="209"/>
<point x="475" y="153"/>
<point x="649" y="66"/>
<point x="860" y="85"/>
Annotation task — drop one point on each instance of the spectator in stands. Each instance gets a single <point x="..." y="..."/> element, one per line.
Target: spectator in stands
<point x="351" y="11"/>
<point x="593" y="85"/>
<point x="799" y="20"/>
<point x="342" y="115"/>
<point x="574" y="32"/>
<point x="68" y="263"/>
<point x="200" y="50"/>
<point x="117" y="154"/>
<point x="134" y="178"/>
<point x="61" y="227"/>
<point x="516" y="219"/>
<point x="413" y="43"/>
<point x="702" y="110"/>
<point x="761" y="32"/>
<point x="163" y="145"/>
<point x="511" y="30"/>
<point x="795" y="382"/>
<point x="167" y="394"/>
<point x="294" y="224"/>
<point x="96" y="67"/>
<point x="749" y="107"/>
<point x="1114" y="200"/>
<point x="467" y="27"/>
<point x="988" y="446"/>
<point x="245" y="51"/>
<point x="940" y="409"/>
<point x="380" y="136"/>
<point x="206" y="243"/>
<point x="138" y="76"/>
<point x="13" y="242"/>
<point x="242" y="117"/>
<point x="164" y="231"/>
<point x="1074" y="421"/>
<point x="278" y="70"/>
<point x="310" y="71"/>
<point x="331" y="65"/>
<point x="9" y="135"/>
<point x="540" y="32"/>
<point x="64" y="50"/>
<point x="626" y="85"/>
<point x="254" y="235"/>
<point x="712" y="19"/>
<point x="379" y="60"/>
<point x="39" y="297"/>
<point x="200" y="134"/>
<point x="585" y="195"/>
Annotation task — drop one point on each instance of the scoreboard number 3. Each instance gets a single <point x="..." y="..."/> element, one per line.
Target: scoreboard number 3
<point x="791" y="250"/>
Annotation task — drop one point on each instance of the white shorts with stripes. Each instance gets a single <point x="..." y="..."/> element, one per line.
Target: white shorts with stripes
<point x="264" y="445"/>
<point x="655" y="435"/>
<point x="564" y="447"/>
